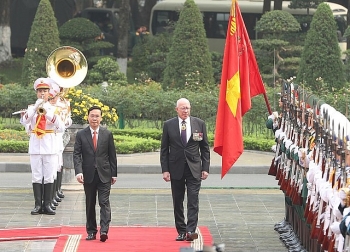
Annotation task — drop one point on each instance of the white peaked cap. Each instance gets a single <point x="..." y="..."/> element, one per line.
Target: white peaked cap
<point x="310" y="175"/>
<point x="342" y="194"/>
<point x="334" y="200"/>
<point x="288" y="143"/>
<point x="55" y="88"/>
<point x="324" y="186"/>
<point x="296" y="150"/>
<point x="318" y="180"/>
<point x="326" y="109"/>
<point x="277" y="133"/>
<point x="346" y="211"/>
<point x="335" y="227"/>
<point x="281" y="135"/>
<point x="337" y="119"/>
<point x="42" y="83"/>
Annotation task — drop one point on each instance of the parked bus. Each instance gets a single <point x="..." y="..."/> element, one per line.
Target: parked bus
<point x="216" y="14"/>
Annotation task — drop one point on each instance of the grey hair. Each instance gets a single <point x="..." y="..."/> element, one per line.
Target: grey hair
<point x="184" y="100"/>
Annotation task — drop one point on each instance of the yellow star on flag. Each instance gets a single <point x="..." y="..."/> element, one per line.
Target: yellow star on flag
<point x="233" y="93"/>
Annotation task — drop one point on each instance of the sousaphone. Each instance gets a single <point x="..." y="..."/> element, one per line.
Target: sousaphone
<point x="67" y="66"/>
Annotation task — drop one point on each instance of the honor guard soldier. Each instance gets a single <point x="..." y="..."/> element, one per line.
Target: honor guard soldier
<point x="62" y="110"/>
<point x="43" y="122"/>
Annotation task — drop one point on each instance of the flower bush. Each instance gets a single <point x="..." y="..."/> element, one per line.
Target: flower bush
<point x="80" y="104"/>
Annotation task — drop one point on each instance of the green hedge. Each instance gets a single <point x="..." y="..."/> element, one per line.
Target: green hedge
<point x="141" y="133"/>
<point x="132" y="144"/>
<point x="11" y="146"/>
<point x="251" y="143"/>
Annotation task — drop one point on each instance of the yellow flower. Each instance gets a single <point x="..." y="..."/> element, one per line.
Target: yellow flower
<point x="80" y="103"/>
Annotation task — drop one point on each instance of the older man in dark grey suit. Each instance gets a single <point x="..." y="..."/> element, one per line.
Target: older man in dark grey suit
<point x="185" y="160"/>
<point x="95" y="165"/>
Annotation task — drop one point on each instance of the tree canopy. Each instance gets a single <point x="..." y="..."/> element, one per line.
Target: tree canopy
<point x="189" y="61"/>
<point x="321" y="56"/>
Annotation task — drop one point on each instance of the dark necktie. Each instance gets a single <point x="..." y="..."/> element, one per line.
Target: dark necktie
<point x="183" y="133"/>
<point x="94" y="140"/>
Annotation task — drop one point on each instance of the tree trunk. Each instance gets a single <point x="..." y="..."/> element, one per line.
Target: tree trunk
<point x="266" y="6"/>
<point x="277" y="5"/>
<point x="123" y="29"/>
<point x="5" y="31"/>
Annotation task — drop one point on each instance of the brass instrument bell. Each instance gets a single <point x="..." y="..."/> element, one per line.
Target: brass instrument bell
<point x="67" y="66"/>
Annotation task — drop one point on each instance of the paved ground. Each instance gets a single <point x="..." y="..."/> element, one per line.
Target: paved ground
<point x="240" y="210"/>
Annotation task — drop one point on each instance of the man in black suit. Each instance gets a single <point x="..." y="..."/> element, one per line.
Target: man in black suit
<point x="185" y="160"/>
<point x="95" y="165"/>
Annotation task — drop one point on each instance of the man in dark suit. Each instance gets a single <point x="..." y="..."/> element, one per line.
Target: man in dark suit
<point x="185" y="160"/>
<point x="95" y="165"/>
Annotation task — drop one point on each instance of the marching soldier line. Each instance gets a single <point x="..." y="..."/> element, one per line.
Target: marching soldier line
<point x="311" y="165"/>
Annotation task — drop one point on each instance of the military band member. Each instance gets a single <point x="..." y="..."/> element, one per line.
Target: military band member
<point x="62" y="111"/>
<point x="41" y="119"/>
<point x="65" y="113"/>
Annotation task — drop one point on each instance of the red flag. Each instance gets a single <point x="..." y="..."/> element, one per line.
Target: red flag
<point x="240" y="81"/>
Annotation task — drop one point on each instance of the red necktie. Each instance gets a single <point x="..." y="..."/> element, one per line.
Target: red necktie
<point x="94" y="140"/>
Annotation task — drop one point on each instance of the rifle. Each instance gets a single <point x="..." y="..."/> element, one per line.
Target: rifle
<point x="328" y="171"/>
<point x="329" y="241"/>
<point x="312" y="199"/>
<point x="284" y="164"/>
<point x="301" y="166"/>
<point x="288" y="181"/>
<point x="283" y="179"/>
<point x="274" y="167"/>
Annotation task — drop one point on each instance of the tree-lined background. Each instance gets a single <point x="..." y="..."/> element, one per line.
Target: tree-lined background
<point x="162" y="68"/>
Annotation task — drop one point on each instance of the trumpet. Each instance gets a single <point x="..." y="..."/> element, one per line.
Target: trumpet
<point x="40" y="110"/>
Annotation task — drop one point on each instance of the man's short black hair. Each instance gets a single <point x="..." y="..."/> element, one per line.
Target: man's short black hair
<point x="94" y="107"/>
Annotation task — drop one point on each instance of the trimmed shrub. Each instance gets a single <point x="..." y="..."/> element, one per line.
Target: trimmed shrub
<point x="43" y="39"/>
<point x="188" y="62"/>
<point x="84" y="35"/>
<point x="321" y="56"/>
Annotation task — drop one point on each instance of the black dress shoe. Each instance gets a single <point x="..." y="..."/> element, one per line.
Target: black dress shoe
<point x="60" y="194"/>
<point x="181" y="237"/>
<point x="190" y="236"/>
<point x="91" y="237"/>
<point x="103" y="236"/>
<point x="58" y="199"/>
<point x="37" y="210"/>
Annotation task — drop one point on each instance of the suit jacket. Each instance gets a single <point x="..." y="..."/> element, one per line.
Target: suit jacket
<point x="86" y="159"/>
<point x="174" y="154"/>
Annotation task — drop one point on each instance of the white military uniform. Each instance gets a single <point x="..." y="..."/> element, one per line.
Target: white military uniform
<point x="63" y="111"/>
<point x="42" y="143"/>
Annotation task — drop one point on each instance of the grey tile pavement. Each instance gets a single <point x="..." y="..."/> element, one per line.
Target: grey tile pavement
<point x="240" y="210"/>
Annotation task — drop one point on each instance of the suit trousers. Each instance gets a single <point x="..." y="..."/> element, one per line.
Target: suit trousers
<point x="178" y="188"/>
<point x="102" y="190"/>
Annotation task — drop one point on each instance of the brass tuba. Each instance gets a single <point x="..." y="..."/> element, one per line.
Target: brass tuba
<point x="67" y="66"/>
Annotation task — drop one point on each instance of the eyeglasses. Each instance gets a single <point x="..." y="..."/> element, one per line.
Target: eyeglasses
<point x="184" y="108"/>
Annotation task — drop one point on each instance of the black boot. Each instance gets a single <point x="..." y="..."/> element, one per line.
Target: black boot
<point x="48" y="199"/>
<point x="59" y="185"/>
<point x="55" y="198"/>
<point x="37" y="190"/>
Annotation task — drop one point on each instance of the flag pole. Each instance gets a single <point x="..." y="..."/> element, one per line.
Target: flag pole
<point x="267" y="104"/>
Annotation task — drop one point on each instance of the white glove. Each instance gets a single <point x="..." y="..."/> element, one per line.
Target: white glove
<point x="38" y="102"/>
<point x="49" y="111"/>
<point x="274" y="148"/>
